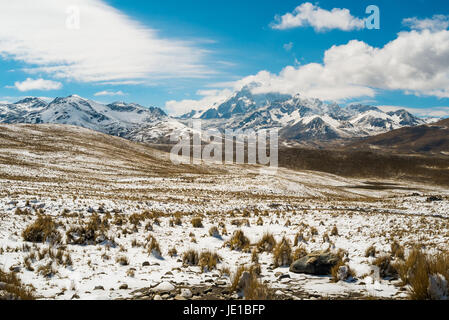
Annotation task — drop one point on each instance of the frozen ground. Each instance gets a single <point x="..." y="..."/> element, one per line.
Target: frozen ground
<point x="72" y="174"/>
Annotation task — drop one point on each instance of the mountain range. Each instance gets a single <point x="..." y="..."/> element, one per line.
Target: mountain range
<point x="299" y="119"/>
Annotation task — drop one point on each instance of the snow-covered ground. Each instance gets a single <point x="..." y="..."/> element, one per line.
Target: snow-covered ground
<point x="72" y="174"/>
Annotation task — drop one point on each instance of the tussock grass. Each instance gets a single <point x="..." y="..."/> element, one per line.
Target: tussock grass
<point x="299" y="253"/>
<point x="190" y="258"/>
<point x="214" y="232"/>
<point x="208" y="261"/>
<point x="44" y="229"/>
<point x="153" y="247"/>
<point x="370" y="252"/>
<point x="427" y="275"/>
<point x="282" y="254"/>
<point x="267" y="243"/>
<point x="386" y="266"/>
<point x="172" y="252"/>
<point x="246" y="282"/>
<point x="12" y="288"/>
<point x="238" y="241"/>
<point x="122" y="260"/>
<point x="90" y="233"/>
<point x="197" y="222"/>
<point x="397" y="250"/>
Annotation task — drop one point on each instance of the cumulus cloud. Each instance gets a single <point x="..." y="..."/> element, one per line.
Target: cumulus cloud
<point x="436" y="23"/>
<point x="414" y="63"/>
<point x="37" y="84"/>
<point x="308" y="14"/>
<point x="90" y="41"/>
<point x="109" y="93"/>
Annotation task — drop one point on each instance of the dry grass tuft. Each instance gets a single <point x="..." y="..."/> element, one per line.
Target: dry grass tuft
<point x="426" y="275"/>
<point x="267" y="243"/>
<point x="370" y="252"/>
<point x="190" y="258"/>
<point x="197" y="222"/>
<point x="44" y="229"/>
<point x="208" y="261"/>
<point x="386" y="268"/>
<point x="397" y="250"/>
<point x="238" y="241"/>
<point x="12" y="288"/>
<point x="245" y="281"/>
<point x="153" y="247"/>
<point x="214" y="232"/>
<point x="282" y="254"/>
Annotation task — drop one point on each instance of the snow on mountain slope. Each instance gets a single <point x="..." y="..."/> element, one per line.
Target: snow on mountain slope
<point x="10" y="113"/>
<point x="301" y="118"/>
<point x="298" y="118"/>
<point x="118" y="118"/>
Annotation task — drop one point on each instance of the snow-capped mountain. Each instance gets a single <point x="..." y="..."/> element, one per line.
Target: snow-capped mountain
<point x="301" y="119"/>
<point x="118" y="118"/>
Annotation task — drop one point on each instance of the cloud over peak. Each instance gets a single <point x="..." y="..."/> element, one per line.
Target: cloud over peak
<point x="414" y="63"/>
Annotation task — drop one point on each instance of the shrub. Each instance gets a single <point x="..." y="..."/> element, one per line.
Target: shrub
<point x="238" y="241"/>
<point x="397" y="250"/>
<point x="153" y="247"/>
<point x="298" y="238"/>
<point x="255" y="256"/>
<point x="197" y="222"/>
<point x="190" y="258"/>
<point x="47" y="270"/>
<point x="334" y="231"/>
<point x="91" y="233"/>
<point x="282" y="255"/>
<point x="44" y="229"/>
<point x="208" y="261"/>
<point x="426" y="275"/>
<point x="386" y="268"/>
<point x="313" y="231"/>
<point x="13" y="289"/>
<point x="245" y="282"/>
<point x="299" y="253"/>
<point x="267" y="243"/>
<point x="214" y="232"/>
<point x="341" y="272"/>
<point x="122" y="260"/>
<point x="173" y="252"/>
<point x="370" y="252"/>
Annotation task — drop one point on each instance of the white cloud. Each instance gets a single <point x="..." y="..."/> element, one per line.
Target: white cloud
<point x="107" y="46"/>
<point x="436" y="23"/>
<point x="308" y="14"/>
<point x="210" y="98"/>
<point x="110" y="93"/>
<point x="288" y="46"/>
<point x="416" y="62"/>
<point x="37" y="84"/>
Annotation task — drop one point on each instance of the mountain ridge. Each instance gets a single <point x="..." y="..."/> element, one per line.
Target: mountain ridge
<point x="300" y="120"/>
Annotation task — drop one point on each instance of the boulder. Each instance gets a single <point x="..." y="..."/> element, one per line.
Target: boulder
<point x="317" y="263"/>
<point x="164" y="287"/>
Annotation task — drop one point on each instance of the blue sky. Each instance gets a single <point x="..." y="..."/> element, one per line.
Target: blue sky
<point x="180" y="55"/>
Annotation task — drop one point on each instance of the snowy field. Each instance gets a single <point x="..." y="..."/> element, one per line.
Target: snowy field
<point x="139" y="209"/>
